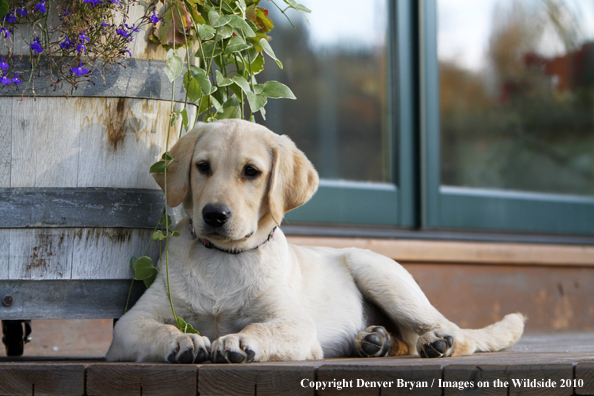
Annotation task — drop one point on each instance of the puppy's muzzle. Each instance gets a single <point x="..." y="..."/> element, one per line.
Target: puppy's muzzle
<point x="215" y="215"/>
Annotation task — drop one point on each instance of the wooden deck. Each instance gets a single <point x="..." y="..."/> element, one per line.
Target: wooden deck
<point x="561" y="364"/>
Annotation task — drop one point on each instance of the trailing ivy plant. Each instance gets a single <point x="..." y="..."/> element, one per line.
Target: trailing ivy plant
<point x="215" y="50"/>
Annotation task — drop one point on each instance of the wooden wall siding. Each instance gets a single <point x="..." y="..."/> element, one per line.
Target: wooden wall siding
<point x="473" y="296"/>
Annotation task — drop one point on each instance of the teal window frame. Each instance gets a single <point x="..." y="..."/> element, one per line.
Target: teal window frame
<point x="415" y="199"/>
<point x="481" y="209"/>
<point x="370" y="203"/>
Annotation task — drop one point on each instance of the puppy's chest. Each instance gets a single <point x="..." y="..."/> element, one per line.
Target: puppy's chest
<point x="222" y="293"/>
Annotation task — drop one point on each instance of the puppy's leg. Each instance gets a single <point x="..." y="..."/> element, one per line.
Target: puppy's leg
<point x="143" y="335"/>
<point x="393" y="289"/>
<point x="289" y="334"/>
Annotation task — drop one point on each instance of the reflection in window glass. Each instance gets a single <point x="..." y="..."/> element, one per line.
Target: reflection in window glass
<point x="337" y="68"/>
<point x="517" y="94"/>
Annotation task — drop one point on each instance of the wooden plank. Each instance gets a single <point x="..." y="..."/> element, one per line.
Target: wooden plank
<point x="6" y="105"/>
<point x="462" y="252"/>
<point x="254" y="379"/>
<point x="121" y="134"/>
<point x="487" y="380"/>
<point x="585" y="372"/>
<point x="540" y="379"/>
<point x="42" y="379"/>
<point x="80" y="207"/>
<point x="43" y="253"/>
<point x="4" y="253"/>
<point x="46" y="146"/>
<point x="131" y="379"/>
<point x="378" y="380"/>
<point x="104" y="253"/>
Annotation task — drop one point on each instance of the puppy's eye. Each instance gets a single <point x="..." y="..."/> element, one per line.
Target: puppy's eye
<point x="250" y="171"/>
<point x="203" y="167"/>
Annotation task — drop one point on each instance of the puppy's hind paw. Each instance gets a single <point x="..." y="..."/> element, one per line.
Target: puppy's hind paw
<point x="374" y="341"/>
<point x="432" y="345"/>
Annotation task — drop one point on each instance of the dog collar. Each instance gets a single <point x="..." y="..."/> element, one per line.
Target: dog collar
<point x="209" y="245"/>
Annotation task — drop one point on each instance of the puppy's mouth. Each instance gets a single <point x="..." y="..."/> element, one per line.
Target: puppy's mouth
<point x="222" y="235"/>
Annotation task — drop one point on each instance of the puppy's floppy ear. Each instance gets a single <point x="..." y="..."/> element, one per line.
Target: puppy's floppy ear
<point x="293" y="179"/>
<point x="178" y="171"/>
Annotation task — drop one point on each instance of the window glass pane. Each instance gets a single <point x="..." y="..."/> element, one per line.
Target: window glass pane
<point x="517" y="94"/>
<point x="337" y="67"/>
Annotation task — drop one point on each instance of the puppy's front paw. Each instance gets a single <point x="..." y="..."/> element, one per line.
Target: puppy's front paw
<point x="188" y="348"/>
<point x="234" y="348"/>
<point x="432" y="345"/>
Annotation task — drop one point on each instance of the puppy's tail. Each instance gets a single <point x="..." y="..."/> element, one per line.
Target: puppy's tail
<point x="500" y="335"/>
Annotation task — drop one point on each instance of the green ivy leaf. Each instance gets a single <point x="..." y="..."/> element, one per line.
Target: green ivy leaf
<point x="206" y="32"/>
<point x="4" y="8"/>
<point x="158" y="167"/>
<point x="237" y="44"/>
<point x="158" y="236"/>
<point x="223" y="33"/>
<point x="223" y="81"/>
<point x="150" y="280"/>
<point x="257" y="64"/>
<point x="268" y="49"/>
<point x="144" y="268"/>
<point x="193" y="90"/>
<point x="297" y="6"/>
<point x="164" y="217"/>
<point x="256" y="101"/>
<point x="242" y="83"/>
<point x="185" y="120"/>
<point x="185" y="327"/>
<point x="220" y="21"/>
<point x="174" y="65"/>
<point x="207" y="48"/>
<point x="239" y="23"/>
<point x="277" y="90"/>
<point x="167" y="156"/>
<point x="133" y="261"/>
<point x="230" y="109"/>
<point x="213" y="17"/>
<point x="202" y="78"/>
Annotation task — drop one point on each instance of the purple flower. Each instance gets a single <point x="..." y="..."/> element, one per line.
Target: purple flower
<point x="6" y="32"/>
<point x="154" y="18"/>
<point x="22" y="12"/>
<point x="83" y="37"/>
<point x="3" y="64"/>
<point x="132" y="28"/>
<point x="36" y="46"/>
<point x="129" y="53"/>
<point x="123" y="33"/>
<point x="5" y="80"/>
<point x="93" y="2"/>
<point x="16" y="80"/>
<point x="116" y="1"/>
<point x="10" y="18"/>
<point x="105" y="24"/>
<point x="81" y="47"/>
<point x="79" y="71"/>
<point x="41" y="7"/>
<point x="67" y="43"/>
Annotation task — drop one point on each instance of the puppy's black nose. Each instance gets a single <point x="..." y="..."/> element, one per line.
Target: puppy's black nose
<point x="215" y="215"/>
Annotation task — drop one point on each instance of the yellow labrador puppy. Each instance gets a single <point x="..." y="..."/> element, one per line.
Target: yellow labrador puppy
<point x="253" y="296"/>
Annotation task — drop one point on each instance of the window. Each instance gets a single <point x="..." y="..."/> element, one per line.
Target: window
<point x="341" y="69"/>
<point x="443" y="114"/>
<point x="514" y="117"/>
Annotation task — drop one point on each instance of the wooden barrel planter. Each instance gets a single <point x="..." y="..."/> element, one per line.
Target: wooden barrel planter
<point x="76" y="198"/>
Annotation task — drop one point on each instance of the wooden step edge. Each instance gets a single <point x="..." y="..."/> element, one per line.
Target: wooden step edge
<point x="422" y="251"/>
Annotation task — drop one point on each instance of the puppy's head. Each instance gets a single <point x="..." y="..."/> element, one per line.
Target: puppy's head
<point x="237" y="179"/>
